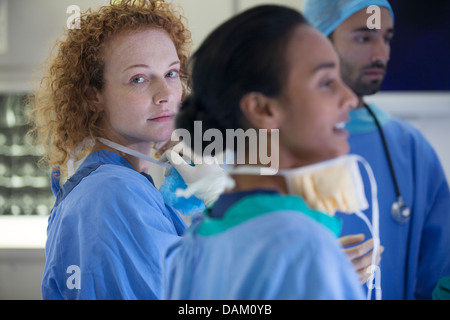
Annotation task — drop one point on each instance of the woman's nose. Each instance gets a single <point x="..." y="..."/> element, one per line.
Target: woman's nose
<point x="349" y="98"/>
<point x="162" y="93"/>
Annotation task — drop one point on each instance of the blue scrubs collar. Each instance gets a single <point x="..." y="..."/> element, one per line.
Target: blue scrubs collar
<point x="361" y="121"/>
<point x="96" y="158"/>
<point x="233" y="209"/>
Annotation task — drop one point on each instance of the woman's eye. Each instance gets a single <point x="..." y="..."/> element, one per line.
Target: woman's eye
<point x="172" y="74"/>
<point x="327" y="83"/>
<point x="138" y="80"/>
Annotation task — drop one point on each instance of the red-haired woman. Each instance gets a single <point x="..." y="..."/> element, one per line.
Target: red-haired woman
<point x="118" y="77"/>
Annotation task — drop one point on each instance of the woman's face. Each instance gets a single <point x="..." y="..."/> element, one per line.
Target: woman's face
<point x="314" y="103"/>
<point x="142" y="88"/>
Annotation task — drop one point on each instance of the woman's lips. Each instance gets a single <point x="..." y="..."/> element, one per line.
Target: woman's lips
<point x="164" y="117"/>
<point x="339" y="128"/>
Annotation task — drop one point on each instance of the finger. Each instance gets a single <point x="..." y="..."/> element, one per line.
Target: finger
<point x="351" y="239"/>
<point x="179" y="149"/>
<point x="175" y="159"/>
<point x="360" y="250"/>
<point x="363" y="276"/>
<point x="363" y="262"/>
<point x="366" y="261"/>
<point x="379" y="254"/>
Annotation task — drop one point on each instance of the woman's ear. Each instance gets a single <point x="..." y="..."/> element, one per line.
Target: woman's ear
<point x="94" y="98"/>
<point x="261" y="111"/>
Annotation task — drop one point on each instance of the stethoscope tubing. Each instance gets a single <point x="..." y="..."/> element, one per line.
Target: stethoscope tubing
<point x="398" y="216"/>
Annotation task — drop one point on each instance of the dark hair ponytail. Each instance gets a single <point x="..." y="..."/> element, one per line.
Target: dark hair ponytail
<point x="245" y="54"/>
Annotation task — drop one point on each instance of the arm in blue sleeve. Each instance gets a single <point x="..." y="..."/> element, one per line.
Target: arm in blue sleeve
<point x="434" y="257"/>
<point x="123" y="243"/>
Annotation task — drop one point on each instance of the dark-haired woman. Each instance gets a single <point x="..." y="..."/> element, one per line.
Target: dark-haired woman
<point x="266" y="69"/>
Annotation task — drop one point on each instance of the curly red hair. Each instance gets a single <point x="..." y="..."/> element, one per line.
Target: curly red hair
<point x="61" y="116"/>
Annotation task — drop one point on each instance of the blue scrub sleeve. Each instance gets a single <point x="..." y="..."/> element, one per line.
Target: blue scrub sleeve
<point x="133" y="235"/>
<point x="434" y="256"/>
<point x="122" y="232"/>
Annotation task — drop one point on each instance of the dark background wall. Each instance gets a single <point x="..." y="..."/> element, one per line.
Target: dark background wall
<point x="420" y="50"/>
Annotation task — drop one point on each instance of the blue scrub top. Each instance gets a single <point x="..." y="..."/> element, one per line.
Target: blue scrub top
<point x="416" y="254"/>
<point x="107" y="234"/>
<point x="260" y="245"/>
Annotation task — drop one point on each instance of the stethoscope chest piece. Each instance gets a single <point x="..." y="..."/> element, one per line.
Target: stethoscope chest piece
<point x="400" y="211"/>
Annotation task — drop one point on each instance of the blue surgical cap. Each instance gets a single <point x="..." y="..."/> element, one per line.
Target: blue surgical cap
<point x="327" y="15"/>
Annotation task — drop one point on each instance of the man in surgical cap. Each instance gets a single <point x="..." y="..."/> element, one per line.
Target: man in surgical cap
<point x="416" y="249"/>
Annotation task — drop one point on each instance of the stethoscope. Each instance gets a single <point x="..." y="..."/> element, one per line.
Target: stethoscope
<point x="400" y="211"/>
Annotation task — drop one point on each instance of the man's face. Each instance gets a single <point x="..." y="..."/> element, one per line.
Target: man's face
<point x="364" y="52"/>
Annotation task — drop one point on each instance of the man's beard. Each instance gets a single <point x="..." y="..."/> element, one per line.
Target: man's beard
<point x="359" y="86"/>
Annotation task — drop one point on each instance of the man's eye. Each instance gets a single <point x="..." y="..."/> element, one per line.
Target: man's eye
<point x="362" y="39"/>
